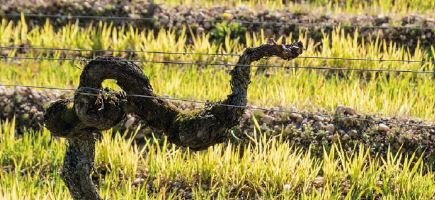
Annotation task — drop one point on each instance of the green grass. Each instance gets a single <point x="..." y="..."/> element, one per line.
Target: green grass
<point x="373" y="7"/>
<point x="266" y="169"/>
<point x="403" y="95"/>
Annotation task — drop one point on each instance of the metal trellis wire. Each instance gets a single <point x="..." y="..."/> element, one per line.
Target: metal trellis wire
<point x="214" y="64"/>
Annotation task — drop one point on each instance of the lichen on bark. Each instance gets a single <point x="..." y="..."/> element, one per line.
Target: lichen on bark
<point x="95" y="109"/>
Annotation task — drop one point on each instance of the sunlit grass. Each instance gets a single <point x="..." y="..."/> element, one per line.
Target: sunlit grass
<point x="265" y="169"/>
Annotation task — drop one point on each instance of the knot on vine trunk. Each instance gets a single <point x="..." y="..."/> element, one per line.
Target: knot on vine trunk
<point x="101" y="109"/>
<point x="90" y="111"/>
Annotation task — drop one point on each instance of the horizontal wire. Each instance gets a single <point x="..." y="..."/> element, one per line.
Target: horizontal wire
<point x="208" y="54"/>
<point x="120" y="18"/>
<point x="77" y="91"/>
<point x="232" y="65"/>
<point x="80" y="17"/>
<point x="120" y="51"/>
<point x="367" y="59"/>
<point x="289" y="67"/>
<point x="37" y="87"/>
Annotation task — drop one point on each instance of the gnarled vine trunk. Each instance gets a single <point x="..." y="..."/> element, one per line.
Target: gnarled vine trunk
<point x="95" y="109"/>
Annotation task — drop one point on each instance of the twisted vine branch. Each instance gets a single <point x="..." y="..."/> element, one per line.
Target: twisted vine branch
<point x="93" y="111"/>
